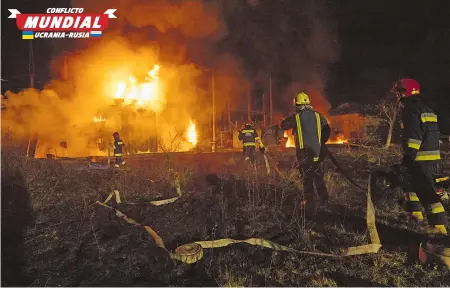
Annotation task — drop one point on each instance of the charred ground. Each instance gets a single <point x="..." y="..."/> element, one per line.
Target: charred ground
<point x="53" y="233"/>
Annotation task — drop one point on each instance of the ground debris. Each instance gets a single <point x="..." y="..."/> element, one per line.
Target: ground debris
<point x="67" y="240"/>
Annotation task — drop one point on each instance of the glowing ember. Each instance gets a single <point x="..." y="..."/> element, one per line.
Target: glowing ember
<point x="191" y="134"/>
<point x="290" y="141"/>
<point x="99" y="119"/>
<point x="340" y="139"/>
<point x="143" y="94"/>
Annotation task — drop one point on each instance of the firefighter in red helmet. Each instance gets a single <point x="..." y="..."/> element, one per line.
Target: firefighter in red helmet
<point x="421" y="156"/>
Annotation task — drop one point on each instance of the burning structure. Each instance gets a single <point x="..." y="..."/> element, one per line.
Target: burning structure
<point x="349" y="123"/>
<point x="146" y="78"/>
<point x="136" y="108"/>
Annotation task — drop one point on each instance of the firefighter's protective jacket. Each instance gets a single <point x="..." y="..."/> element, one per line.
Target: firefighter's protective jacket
<point x="249" y="137"/>
<point x="420" y="131"/>
<point x="118" y="147"/>
<point x="310" y="130"/>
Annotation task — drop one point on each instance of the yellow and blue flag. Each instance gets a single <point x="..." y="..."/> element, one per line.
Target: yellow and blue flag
<point x="28" y="35"/>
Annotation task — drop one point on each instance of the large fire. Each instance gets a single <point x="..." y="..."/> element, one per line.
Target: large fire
<point x="145" y="94"/>
<point x="192" y="134"/>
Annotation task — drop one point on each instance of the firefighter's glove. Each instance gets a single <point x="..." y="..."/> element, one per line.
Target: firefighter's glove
<point x="262" y="150"/>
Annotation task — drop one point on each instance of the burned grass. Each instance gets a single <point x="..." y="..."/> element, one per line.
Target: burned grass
<point x="53" y="234"/>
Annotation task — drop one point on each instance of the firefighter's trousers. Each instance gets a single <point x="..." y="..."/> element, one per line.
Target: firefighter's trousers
<point x="422" y="193"/>
<point x="118" y="161"/>
<point x="312" y="173"/>
<point x="249" y="153"/>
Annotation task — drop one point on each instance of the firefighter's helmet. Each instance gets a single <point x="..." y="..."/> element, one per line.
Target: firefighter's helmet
<point x="116" y="134"/>
<point x="248" y="124"/>
<point x="406" y="87"/>
<point x="302" y="99"/>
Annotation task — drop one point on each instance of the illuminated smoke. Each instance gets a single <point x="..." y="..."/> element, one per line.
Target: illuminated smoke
<point x="86" y="81"/>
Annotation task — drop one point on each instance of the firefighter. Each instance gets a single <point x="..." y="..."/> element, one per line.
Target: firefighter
<point x="311" y="131"/>
<point x="118" y="150"/>
<point x="421" y="154"/>
<point x="249" y="138"/>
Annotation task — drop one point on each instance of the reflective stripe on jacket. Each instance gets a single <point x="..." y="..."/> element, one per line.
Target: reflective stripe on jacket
<point x="420" y="131"/>
<point x="118" y="148"/>
<point x="310" y="130"/>
<point x="249" y="137"/>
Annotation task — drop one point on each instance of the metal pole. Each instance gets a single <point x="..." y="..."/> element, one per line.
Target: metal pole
<point x="264" y="109"/>
<point x="214" y="112"/>
<point x="248" y="104"/>
<point x="31" y="63"/>
<point x="109" y="153"/>
<point x="31" y="76"/>
<point x="229" y="114"/>
<point x="270" y="101"/>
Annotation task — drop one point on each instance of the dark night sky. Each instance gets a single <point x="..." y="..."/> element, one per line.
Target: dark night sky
<point x="378" y="41"/>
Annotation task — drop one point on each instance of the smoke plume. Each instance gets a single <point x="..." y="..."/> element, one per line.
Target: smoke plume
<point x="179" y="36"/>
<point x="294" y="42"/>
<point x="310" y="63"/>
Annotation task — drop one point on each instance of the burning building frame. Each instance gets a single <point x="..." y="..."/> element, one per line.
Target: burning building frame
<point x="135" y="107"/>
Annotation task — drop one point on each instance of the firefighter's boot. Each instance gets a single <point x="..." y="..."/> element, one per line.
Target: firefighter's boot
<point x="309" y="204"/>
<point x="437" y="219"/>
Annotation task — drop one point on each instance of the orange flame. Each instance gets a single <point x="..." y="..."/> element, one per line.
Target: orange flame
<point x="290" y="141"/>
<point x="144" y="94"/>
<point x="192" y="134"/>
<point x="340" y="139"/>
<point x="99" y="119"/>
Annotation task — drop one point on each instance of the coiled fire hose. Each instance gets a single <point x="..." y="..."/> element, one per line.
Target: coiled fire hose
<point x="193" y="252"/>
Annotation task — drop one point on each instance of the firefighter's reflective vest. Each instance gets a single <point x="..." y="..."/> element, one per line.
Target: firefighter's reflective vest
<point x="420" y="131"/>
<point x="310" y="130"/>
<point x="118" y="147"/>
<point x="249" y="137"/>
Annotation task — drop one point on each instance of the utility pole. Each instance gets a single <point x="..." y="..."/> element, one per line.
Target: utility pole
<point x="270" y="101"/>
<point x="31" y="63"/>
<point x="31" y="76"/>
<point x="248" y="103"/>
<point x="264" y="109"/>
<point x="214" y="112"/>
<point x="229" y="113"/>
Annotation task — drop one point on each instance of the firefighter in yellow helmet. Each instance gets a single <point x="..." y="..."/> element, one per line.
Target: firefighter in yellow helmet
<point x="311" y="131"/>
<point x="249" y="138"/>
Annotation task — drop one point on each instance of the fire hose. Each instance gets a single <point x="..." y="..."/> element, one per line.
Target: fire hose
<point x="339" y="167"/>
<point x="193" y="252"/>
<point x="327" y="152"/>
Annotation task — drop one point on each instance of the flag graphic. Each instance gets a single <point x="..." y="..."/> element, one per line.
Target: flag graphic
<point x="96" y="33"/>
<point x="28" y="35"/>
